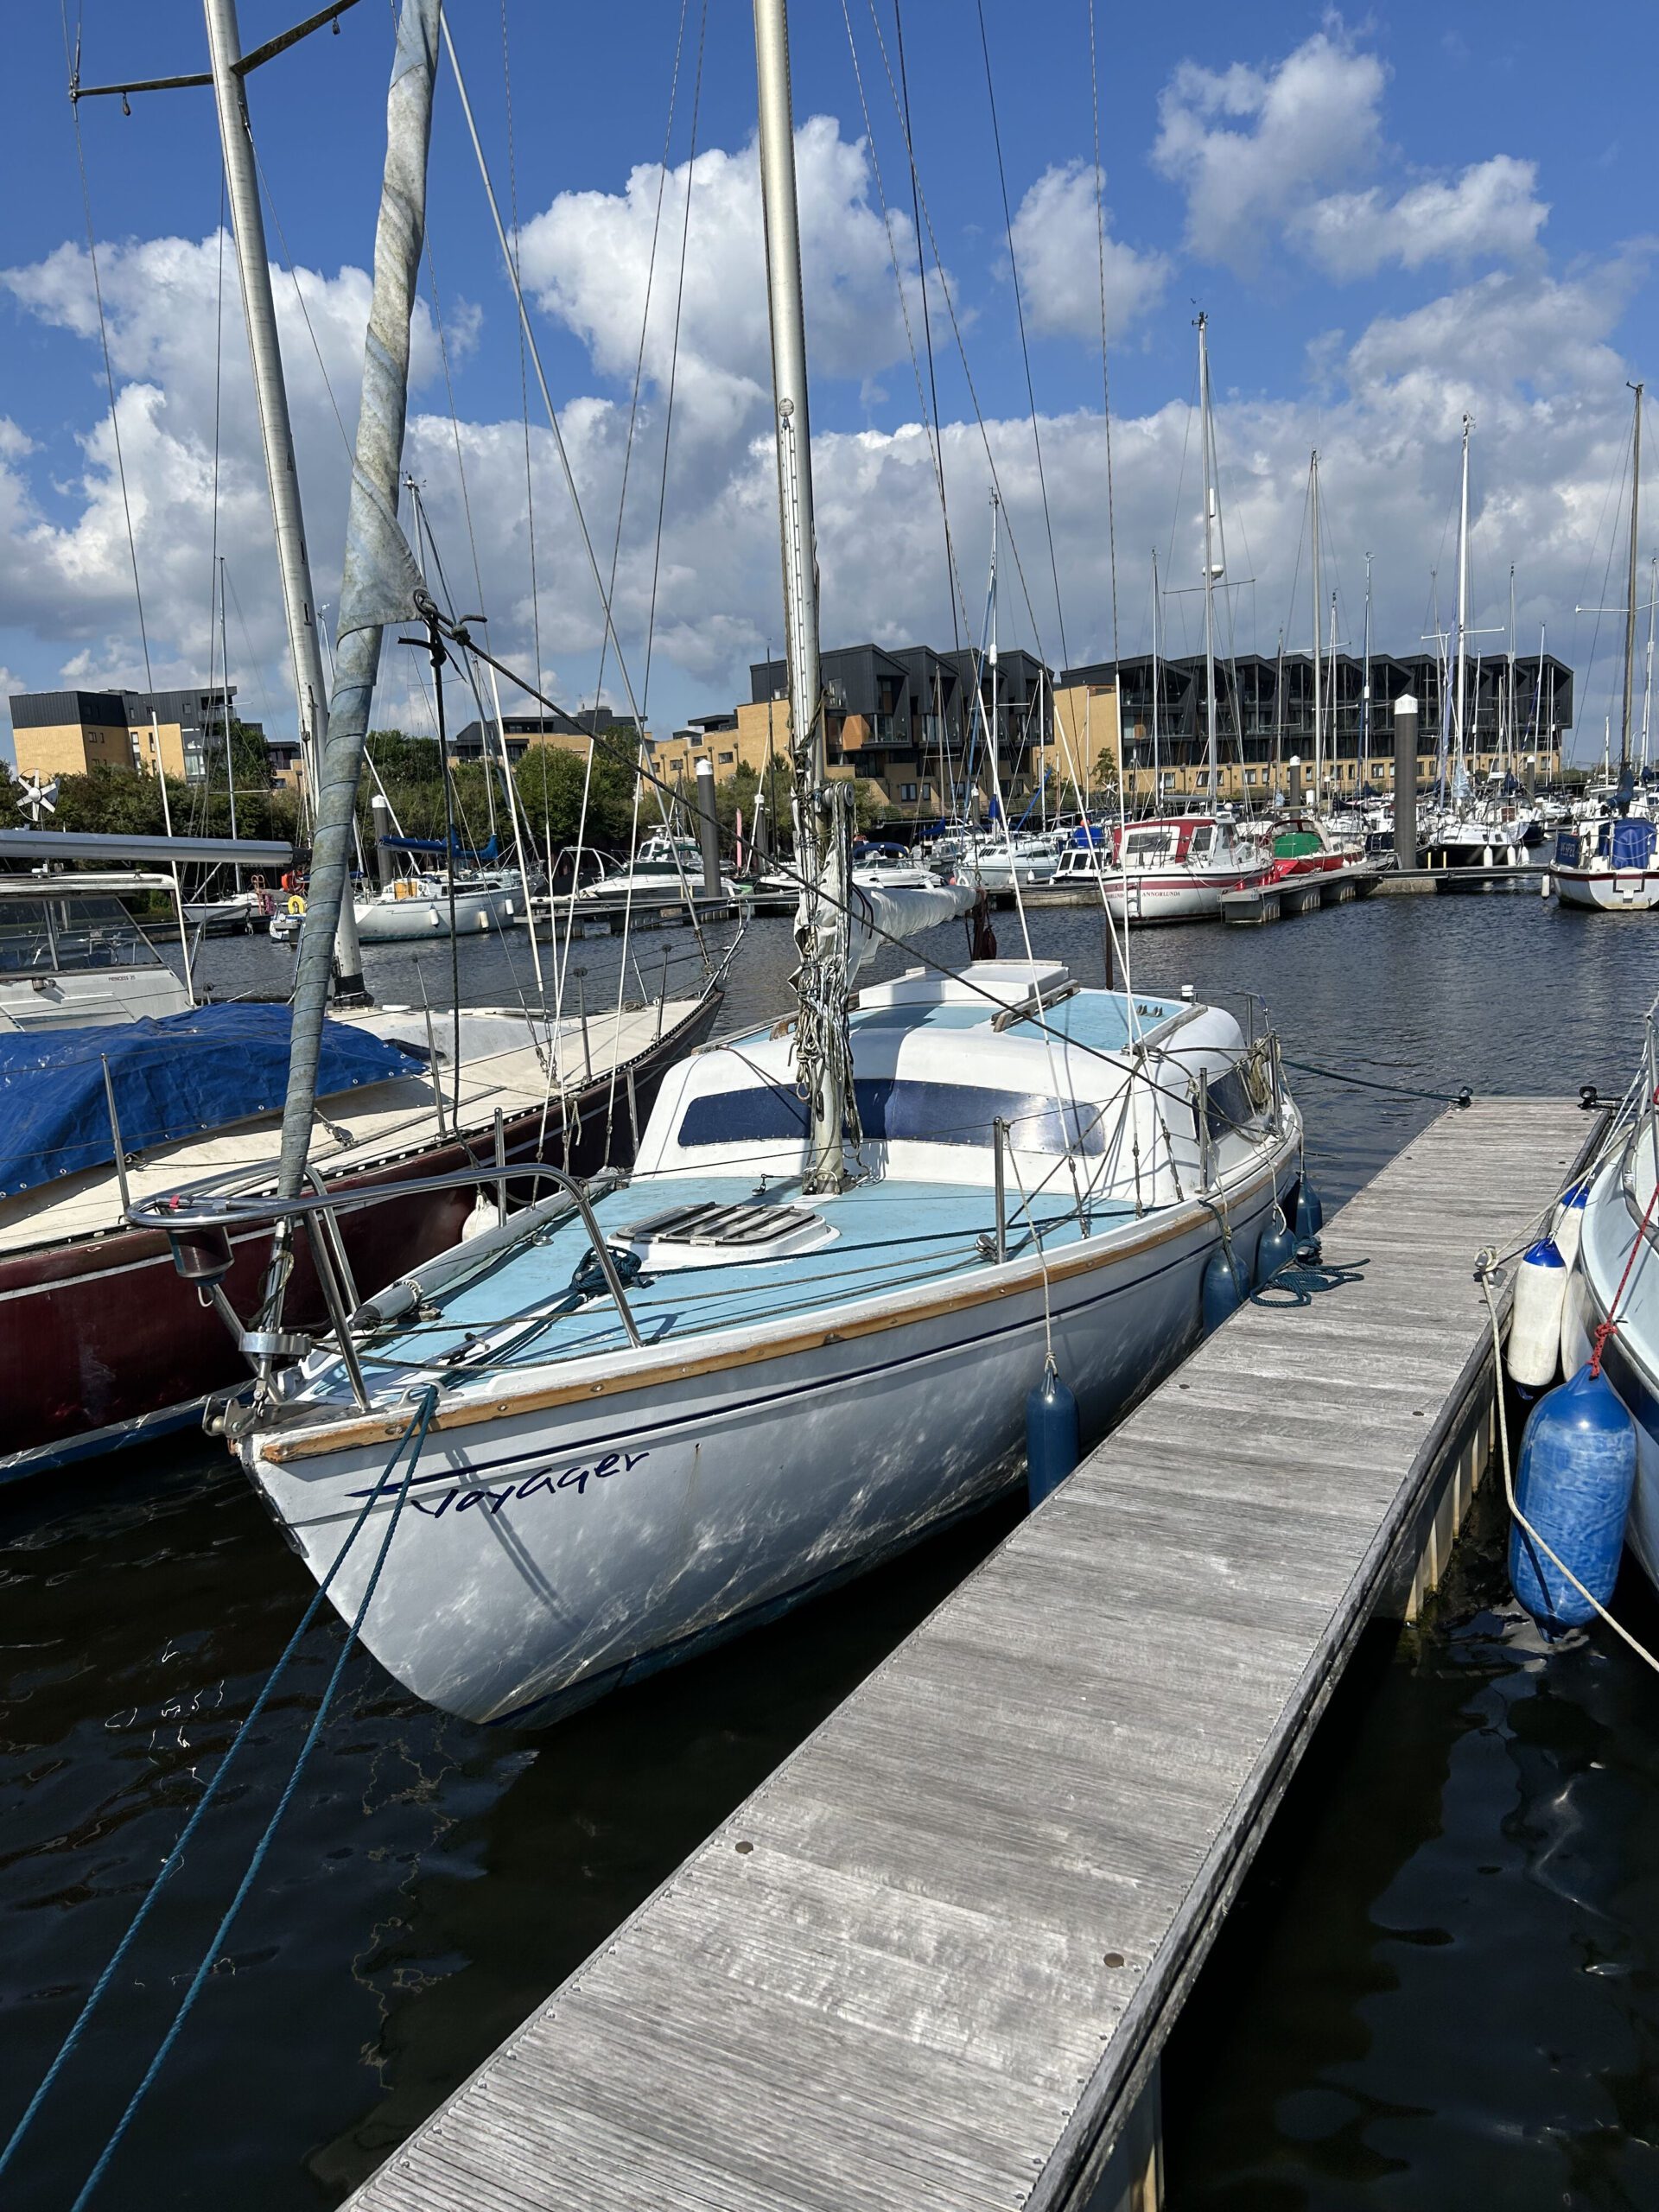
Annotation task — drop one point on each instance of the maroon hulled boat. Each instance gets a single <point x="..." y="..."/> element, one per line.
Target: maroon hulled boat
<point x="102" y="1343"/>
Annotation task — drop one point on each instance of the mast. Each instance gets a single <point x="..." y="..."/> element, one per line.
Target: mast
<point x="1278" y="718"/>
<point x="1365" y="687"/>
<point x="1210" y="571"/>
<point x="993" y="749"/>
<point x="1462" y="597"/>
<point x="1157" y="775"/>
<point x="1629" y="603"/>
<point x="1335" y="769"/>
<point x="1647" y="682"/>
<point x="1510" y="746"/>
<point x="1316" y="649"/>
<point x="822" y="1057"/>
<point x="378" y="578"/>
<point x="275" y="430"/>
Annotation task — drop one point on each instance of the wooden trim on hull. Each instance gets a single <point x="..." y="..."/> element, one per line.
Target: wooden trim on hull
<point x="361" y="1430"/>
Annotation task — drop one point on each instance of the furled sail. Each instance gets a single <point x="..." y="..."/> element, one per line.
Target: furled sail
<point x="876" y="918"/>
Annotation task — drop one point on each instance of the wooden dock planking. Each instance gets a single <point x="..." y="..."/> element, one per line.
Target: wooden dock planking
<point x="929" y="1963"/>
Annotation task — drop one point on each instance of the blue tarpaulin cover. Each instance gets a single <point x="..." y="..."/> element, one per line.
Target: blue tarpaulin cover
<point x="1632" y="843"/>
<point x="173" y="1077"/>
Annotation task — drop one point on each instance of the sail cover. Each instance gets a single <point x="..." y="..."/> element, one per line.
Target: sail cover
<point x="174" y="1078"/>
<point x="877" y="917"/>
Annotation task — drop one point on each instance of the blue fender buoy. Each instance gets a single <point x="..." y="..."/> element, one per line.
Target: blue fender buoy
<point x="1224" y="1287"/>
<point x="1578" y="1469"/>
<point x="1275" y="1249"/>
<point x="1310" y="1211"/>
<point x="1052" y="1446"/>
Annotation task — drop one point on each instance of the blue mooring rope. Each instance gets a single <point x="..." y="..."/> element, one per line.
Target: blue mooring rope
<point x="1462" y="1097"/>
<point x="415" y="1433"/>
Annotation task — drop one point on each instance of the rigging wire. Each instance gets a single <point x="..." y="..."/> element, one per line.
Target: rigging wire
<point x="673" y="360"/>
<point x="955" y="325"/>
<point x="72" y="57"/>
<point x="930" y="414"/>
<point x="644" y="332"/>
<point x="1025" y="348"/>
<point x="953" y="580"/>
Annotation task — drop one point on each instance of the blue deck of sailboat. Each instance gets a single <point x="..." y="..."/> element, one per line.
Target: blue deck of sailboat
<point x="893" y="1232"/>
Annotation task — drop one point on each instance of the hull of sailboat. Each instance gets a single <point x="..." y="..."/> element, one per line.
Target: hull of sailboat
<point x="1631" y="1354"/>
<point x="1175" y="898"/>
<point x="548" y="1555"/>
<point x="396" y="921"/>
<point x="1608" y="891"/>
<point x="105" y="1345"/>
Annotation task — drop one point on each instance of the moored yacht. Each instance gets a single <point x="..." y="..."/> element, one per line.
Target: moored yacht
<point x="642" y="1414"/>
<point x="1175" y="868"/>
<point x="780" y="1389"/>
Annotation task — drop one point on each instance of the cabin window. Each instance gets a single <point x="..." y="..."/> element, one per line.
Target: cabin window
<point x="1203" y="838"/>
<point x="1145" y="845"/>
<point x="919" y="1113"/>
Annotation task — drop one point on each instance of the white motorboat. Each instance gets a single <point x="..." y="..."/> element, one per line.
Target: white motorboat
<point x="71" y="956"/>
<point x="1000" y="863"/>
<point x="1609" y="867"/>
<point x="1479" y="836"/>
<point x="882" y="874"/>
<point x="240" y="914"/>
<point x="666" y="871"/>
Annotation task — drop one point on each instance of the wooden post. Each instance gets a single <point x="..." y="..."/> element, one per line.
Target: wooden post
<point x="1405" y="780"/>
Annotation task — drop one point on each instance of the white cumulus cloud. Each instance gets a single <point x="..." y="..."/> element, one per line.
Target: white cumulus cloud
<point x="1491" y="212"/>
<point x="1058" y="246"/>
<point x="1249" y="146"/>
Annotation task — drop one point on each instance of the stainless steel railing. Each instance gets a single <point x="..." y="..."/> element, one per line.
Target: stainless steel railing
<point x="199" y="1222"/>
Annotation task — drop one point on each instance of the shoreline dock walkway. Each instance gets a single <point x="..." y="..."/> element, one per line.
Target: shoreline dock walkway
<point x="930" y="1963"/>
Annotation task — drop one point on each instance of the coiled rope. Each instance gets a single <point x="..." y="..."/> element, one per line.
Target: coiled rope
<point x="1305" y="1275"/>
<point x="412" y="1437"/>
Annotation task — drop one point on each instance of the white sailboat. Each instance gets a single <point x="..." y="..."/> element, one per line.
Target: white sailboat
<point x="1609" y="864"/>
<point x="1173" y="866"/>
<point x="647" y="1413"/>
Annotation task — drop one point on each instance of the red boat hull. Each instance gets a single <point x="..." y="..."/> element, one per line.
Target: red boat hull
<point x="102" y="1342"/>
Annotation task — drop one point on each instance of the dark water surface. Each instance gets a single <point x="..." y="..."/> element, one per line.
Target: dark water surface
<point x="1441" y="1987"/>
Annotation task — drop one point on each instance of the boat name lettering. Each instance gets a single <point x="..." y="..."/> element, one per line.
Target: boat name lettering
<point x="463" y="1499"/>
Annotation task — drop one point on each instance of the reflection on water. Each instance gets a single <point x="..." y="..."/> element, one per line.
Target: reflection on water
<point x="1446" y="1975"/>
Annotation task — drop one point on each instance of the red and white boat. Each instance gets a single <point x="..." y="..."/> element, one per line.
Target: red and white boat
<point x="1175" y="869"/>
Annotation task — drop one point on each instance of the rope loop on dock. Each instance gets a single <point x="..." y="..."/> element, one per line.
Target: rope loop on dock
<point x="1302" y="1279"/>
<point x="412" y="1438"/>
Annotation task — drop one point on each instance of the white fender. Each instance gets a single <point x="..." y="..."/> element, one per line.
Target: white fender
<point x="1536" y="1323"/>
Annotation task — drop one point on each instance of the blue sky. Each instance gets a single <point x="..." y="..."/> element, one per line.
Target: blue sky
<point x="1388" y="222"/>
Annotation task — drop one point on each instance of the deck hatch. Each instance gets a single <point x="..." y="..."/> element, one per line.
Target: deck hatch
<point x="729" y="1227"/>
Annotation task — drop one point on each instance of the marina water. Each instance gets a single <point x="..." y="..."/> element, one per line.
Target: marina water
<point x="1441" y="1984"/>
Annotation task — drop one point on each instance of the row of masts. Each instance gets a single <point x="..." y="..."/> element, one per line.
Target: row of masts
<point x="1454" y="649"/>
